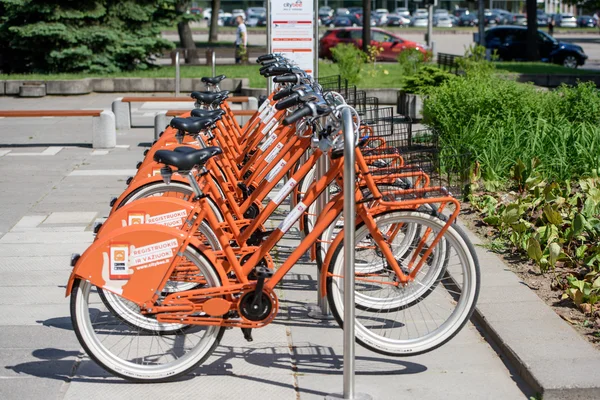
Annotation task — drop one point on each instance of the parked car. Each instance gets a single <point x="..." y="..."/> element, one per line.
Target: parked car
<point x="403" y="11"/>
<point x="381" y="14"/>
<point x="459" y="12"/>
<point x="195" y="10"/>
<point x="442" y="21"/>
<point x="342" y="11"/>
<point x="345" y="20"/>
<point x="392" y="44"/>
<point x="566" y="20"/>
<point x="586" y="21"/>
<point x="420" y="12"/>
<point x="237" y="12"/>
<point x="542" y="19"/>
<point x="519" y="19"/>
<point x="492" y="19"/>
<point x="254" y="15"/>
<point x="504" y="16"/>
<point x="510" y="44"/>
<point x="468" y="20"/>
<point x="325" y="11"/>
<point x="420" y="22"/>
<point x="397" y="20"/>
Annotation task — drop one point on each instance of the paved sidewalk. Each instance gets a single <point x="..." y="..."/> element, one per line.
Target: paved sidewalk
<point x="49" y="204"/>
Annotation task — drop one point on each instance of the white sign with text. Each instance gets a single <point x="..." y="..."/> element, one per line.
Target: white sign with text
<point x="292" y="31"/>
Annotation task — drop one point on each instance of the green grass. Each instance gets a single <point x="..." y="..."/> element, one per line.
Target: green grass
<point x="392" y="79"/>
<point x="232" y="71"/>
<point x="326" y="68"/>
<point x="541" y="68"/>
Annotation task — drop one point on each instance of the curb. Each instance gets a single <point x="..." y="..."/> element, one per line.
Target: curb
<point x="547" y="353"/>
<point x="126" y="85"/>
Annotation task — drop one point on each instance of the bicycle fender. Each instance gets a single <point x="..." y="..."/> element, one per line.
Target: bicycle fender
<point x="133" y="261"/>
<point x="167" y="211"/>
<point x="141" y="183"/>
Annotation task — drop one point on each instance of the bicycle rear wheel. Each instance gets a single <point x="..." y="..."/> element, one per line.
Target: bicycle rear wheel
<point x="416" y="318"/>
<point x="135" y="353"/>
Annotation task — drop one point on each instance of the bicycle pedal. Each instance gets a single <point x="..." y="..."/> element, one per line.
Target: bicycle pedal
<point x="247" y="334"/>
<point x="263" y="272"/>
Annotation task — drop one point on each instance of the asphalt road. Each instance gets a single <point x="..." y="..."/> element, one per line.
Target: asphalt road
<point x="444" y="42"/>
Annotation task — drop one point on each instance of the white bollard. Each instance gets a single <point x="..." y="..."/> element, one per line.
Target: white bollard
<point x="160" y="123"/>
<point x="122" y="113"/>
<point x="104" y="134"/>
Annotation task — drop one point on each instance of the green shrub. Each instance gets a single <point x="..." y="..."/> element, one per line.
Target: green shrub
<point x="350" y="61"/>
<point x="410" y="61"/>
<point x="501" y="121"/>
<point x="425" y="78"/>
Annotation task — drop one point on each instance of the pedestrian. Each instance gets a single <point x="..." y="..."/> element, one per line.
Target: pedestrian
<point x="241" y="41"/>
<point x="551" y="24"/>
<point x="596" y="19"/>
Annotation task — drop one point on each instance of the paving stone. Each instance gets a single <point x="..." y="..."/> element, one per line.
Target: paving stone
<point x="72" y="217"/>
<point x="36" y="237"/>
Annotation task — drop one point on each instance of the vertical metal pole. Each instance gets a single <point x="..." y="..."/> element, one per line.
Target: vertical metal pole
<point x="214" y="63"/>
<point x="349" y="224"/>
<point x="269" y="43"/>
<point x="429" y="25"/>
<point x="177" y="75"/>
<point x="315" y="72"/>
<point x="322" y="166"/>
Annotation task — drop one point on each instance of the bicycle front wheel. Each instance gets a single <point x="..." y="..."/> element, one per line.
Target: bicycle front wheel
<point x="405" y="320"/>
<point x="136" y="353"/>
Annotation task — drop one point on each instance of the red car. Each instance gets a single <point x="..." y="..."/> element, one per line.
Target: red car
<point x="392" y="44"/>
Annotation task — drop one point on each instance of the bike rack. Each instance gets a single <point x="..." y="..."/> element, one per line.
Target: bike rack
<point x="349" y="223"/>
<point x="322" y="310"/>
<point x="177" y="75"/>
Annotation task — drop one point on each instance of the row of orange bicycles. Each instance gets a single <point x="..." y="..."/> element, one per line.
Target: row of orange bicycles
<point x="185" y="253"/>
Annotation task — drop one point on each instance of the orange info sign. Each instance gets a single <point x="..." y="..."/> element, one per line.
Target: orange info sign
<point x="292" y="31"/>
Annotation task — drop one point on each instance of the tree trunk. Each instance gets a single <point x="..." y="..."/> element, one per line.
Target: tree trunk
<point x="186" y="40"/>
<point x="213" y="35"/>
<point x="532" y="46"/>
<point x="366" y="36"/>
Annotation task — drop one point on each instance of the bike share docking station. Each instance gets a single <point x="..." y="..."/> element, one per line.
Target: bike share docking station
<point x="277" y="11"/>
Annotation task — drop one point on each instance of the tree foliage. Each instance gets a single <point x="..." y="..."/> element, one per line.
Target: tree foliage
<point x="81" y="36"/>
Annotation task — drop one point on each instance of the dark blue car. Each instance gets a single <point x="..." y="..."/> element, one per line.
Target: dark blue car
<point x="510" y="43"/>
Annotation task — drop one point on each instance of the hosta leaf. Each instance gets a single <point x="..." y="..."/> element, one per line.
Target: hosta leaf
<point x="554" y="250"/>
<point x="534" y="251"/>
<point x="578" y="224"/>
<point x="552" y="215"/>
<point x="511" y="214"/>
<point x="493" y="220"/>
<point x="580" y="251"/>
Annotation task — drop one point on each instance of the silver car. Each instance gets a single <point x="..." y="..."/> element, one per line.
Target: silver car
<point x="567" y="20"/>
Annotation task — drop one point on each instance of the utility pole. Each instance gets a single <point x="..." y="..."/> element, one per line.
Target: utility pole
<point x="481" y="18"/>
<point x="532" y="47"/>
<point x="366" y="36"/>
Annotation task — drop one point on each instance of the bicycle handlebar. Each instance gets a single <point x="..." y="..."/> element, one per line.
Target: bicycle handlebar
<point x="282" y="93"/>
<point x="305" y="111"/>
<point x="289" y="101"/>
<point x="287" y="78"/>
